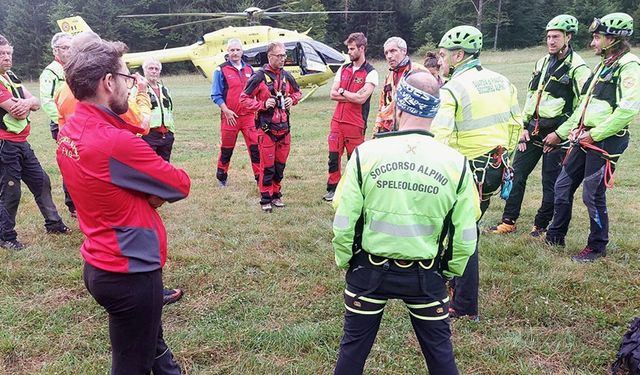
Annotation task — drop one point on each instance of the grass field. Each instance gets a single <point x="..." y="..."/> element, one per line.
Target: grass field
<point x="263" y="295"/>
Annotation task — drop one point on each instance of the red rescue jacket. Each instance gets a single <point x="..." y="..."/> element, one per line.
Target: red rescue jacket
<point x="111" y="173"/>
<point x="353" y="113"/>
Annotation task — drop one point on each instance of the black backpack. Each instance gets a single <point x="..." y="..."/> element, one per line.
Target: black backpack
<point x="628" y="357"/>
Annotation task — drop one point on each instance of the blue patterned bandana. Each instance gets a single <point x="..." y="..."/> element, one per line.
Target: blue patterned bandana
<point x="416" y="102"/>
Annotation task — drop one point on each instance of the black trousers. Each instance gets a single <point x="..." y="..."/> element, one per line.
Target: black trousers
<point x="19" y="163"/>
<point x="161" y="143"/>
<point x="466" y="287"/>
<point x="523" y="165"/>
<point x="134" y="304"/>
<point x="588" y="166"/>
<point x="425" y="295"/>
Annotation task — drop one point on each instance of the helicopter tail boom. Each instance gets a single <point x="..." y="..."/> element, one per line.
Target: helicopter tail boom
<point x="169" y="55"/>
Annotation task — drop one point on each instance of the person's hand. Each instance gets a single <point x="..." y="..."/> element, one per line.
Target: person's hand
<point x="141" y="82"/>
<point x="230" y="116"/>
<point x="585" y="138"/>
<point x="288" y="102"/>
<point x="550" y="142"/>
<point x="155" y="202"/>
<point x="270" y="103"/>
<point x="20" y="109"/>
<point x="524" y="138"/>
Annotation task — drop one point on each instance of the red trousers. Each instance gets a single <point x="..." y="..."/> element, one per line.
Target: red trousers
<point x="273" y="159"/>
<point x="341" y="136"/>
<point x="228" y="138"/>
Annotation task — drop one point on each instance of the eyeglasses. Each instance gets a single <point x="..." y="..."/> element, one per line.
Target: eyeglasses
<point x="129" y="80"/>
<point x="281" y="56"/>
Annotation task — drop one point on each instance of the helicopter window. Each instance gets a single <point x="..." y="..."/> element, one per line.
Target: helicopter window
<point x="310" y="54"/>
<point x="330" y="55"/>
<point x="257" y="56"/>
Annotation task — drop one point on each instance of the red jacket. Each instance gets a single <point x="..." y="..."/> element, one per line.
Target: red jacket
<point x="264" y="84"/>
<point x="353" y="113"/>
<point x="110" y="173"/>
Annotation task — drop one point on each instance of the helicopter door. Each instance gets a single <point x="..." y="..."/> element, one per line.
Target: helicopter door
<point x="310" y="61"/>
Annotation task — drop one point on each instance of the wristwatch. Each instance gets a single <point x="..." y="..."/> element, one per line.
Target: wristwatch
<point x="341" y="91"/>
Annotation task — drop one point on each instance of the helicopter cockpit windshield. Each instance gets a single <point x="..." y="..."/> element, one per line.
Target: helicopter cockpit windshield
<point x="309" y="55"/>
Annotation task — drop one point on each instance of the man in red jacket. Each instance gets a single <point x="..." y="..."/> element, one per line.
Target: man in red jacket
<point x="117" y="181"/>
<point x="352" y="89"/>
<point x="271" y="92"/>
<point x="229" y="80"/>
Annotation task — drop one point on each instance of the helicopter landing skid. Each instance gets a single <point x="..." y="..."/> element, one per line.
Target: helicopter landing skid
<point x="313" y="89"/>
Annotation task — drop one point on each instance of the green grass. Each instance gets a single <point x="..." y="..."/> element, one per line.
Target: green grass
<point x="263" y="295"/>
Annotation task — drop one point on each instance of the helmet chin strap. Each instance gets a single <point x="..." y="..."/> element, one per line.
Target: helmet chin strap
<point x="606" y="49"/>
<point x="452" y="68"/>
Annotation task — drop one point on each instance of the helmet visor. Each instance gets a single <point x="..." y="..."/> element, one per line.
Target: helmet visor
<point x="596" y="26"/>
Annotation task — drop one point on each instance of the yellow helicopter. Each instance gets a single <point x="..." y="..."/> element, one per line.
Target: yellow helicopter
<point x="311" y="62"/>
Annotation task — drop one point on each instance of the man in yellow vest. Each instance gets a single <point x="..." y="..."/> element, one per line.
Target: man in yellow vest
<point x="554" y="92"/>
<point x="598" y="131"/>
<point x="18" y="162"/>
<point x="480" y="117"/>
<point x="52" y="80"/>
<point x="402" y="193"/>
<point x="161" y="124"/>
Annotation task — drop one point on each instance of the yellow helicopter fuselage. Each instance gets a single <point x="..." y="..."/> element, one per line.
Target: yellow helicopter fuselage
<point x="211" y="49"/>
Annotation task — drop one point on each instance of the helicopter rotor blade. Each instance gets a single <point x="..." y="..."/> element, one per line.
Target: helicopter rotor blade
<point x="183" y="14"/>
<point x="280" y="6"/>
<point x="201" y="21"/>
<point x="286" y="13"/>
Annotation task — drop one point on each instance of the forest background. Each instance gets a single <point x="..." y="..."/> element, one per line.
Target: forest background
<point x="506" y="24"/>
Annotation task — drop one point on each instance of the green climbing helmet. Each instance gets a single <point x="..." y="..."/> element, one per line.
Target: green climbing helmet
<point x="614" y="24"/>
<point x="564" y="22"/>
<point x="467" y="38"/>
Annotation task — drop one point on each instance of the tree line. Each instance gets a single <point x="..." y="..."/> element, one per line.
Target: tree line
<point x="506" y="24"/>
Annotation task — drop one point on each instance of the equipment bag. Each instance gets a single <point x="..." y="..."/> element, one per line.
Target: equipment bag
<point x="628" y="357"/>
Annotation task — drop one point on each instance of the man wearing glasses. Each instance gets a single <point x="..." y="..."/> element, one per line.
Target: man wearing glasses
<point x="271" y="92"/>
<point x="18" y="162"/>
<point x="599" y="133"/>
<point x="117" y="182"/>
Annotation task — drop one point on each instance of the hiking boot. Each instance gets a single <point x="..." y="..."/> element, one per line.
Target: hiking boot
<point x="588" y="255"/>
<point x="73" y="214"/>
<point x="222" y="183"/>
<point x="59" y="229"/>
<point x="503" y="228"/>
<point x="278" y="203"/>
<point x="266" y="207"/>
<point x="537" y="231"/>
<point x="554" y="241"/>
<point x="170" y="296"/>
<point x="453" y="314"/>
<point x="11" y="245"/>
<point x="329" y="196"/>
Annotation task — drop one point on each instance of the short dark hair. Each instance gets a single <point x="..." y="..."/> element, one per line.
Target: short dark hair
<point x="431" y="60"/>
<point x="90" y="64"/>
<point x="4" y="41"/>
<point x="358" y="38"/>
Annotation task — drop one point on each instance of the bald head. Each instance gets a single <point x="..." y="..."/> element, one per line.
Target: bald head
<point x="424" y="81"/>
<point x="417" y="101"/>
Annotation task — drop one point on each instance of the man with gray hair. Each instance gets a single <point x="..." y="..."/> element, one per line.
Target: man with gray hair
<point x="395" y="52"/>
<point x="402" y="194"/>
<point x="52" y="78"/>
<point x="229" y="80"/>
<point x="117" y="183"/>
<point x="161" y="122"/>
<point x="51" y="82"/>
<point x="18" y="162"/>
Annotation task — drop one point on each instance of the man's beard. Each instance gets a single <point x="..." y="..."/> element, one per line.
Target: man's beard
<point x="118" y="107"/>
